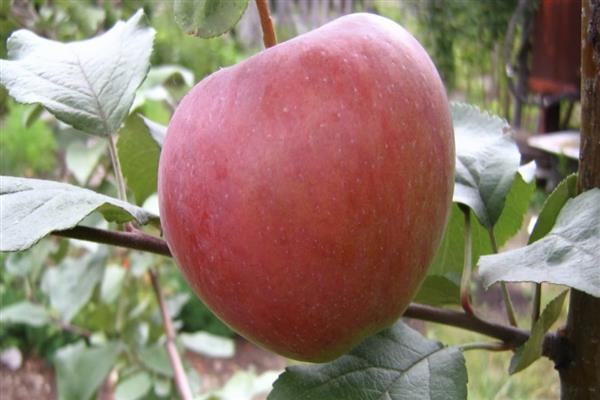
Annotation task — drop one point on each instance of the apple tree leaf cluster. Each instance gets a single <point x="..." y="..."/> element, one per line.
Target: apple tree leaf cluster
<point x="91" y="85"/>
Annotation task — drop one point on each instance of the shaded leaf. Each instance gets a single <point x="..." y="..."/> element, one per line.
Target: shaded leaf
<point x="81" y="160"/>
<point x="80" y="370"/>
<point x="112" y="282"/>
<point x="156" y="358"/>
<point x="30" y="261"/>
<point x="442" y="284"/>
<point x="565" y="190"/>
<point x="397" y="363"/>
<point x="162" y="387"/>
<point x="32" y="208"/>
<point x="207" y="344"/>
<point x="134" y="387"/>
<point x="567" y="255"/>
<point x="70" y="285"/>
<point x="154" y="88"/>
<point x="24" y="312"/>
<point x="531" y="350"/>
<point x="175" y="303"/>
<point x="208" y="18"/>
<point x="89" y="84"/>
<point x="438" y="290"/>
<point x="486" y="162"/>
<point x="138" y="154"/>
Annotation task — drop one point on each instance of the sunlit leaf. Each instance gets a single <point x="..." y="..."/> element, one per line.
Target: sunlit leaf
<point x="32" y="208"/>
<point x="89" y="84"/>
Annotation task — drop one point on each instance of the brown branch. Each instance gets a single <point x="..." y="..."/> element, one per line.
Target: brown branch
<point x="135" y="240"/>
<point x="179" y="375"/>
<point x="508" y="334"/>
<point x="266" y="23"/>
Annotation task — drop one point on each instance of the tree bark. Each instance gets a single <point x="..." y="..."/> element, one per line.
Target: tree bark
<point x="580" y="371"/>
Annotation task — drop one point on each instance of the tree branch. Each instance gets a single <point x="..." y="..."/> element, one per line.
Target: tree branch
<point x="135" y="240"/>
<point x="508" y="334"/>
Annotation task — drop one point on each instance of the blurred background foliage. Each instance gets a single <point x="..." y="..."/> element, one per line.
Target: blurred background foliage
<point x="465" y="38"/>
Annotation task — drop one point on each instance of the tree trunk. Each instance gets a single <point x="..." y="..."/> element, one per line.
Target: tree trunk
<point x="580" y="376"/>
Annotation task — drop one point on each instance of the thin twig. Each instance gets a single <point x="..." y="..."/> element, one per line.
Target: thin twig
<point x="489" y="346"/>
<point x="136" y="237"/>
<point x="537" y="303"/>
<point x="179" y="375"/>
<point x="467" y="262"/>
<point x="266" y="23"/>
<point x="510" y="310"/>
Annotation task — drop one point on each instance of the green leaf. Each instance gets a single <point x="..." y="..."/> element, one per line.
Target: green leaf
<point x="243" y="385"/>
<point x="175" y="303"/>
<point x="531" y="350"/>
<point x="32" y="114"/>
<point x="162" y="387"/>
<point x="138" y="154"/>
<point x="515" y="209"/>
<point x="487" y="159"/>
<point x="80" y="370"/>
<point x="157" y="131"/>
<point x="438" y="290"/>
<point x="89" y="84"/>
<point x="33" y="208"/>
<point x="565" y="190"/>
<point x="26" y="313"/>
<point x="443" y="280"/>
<point x="70" y="285"/>
<point x="30" y="261"/>
<point x="112" y="282"/>
<point x="208" y="18"/>
<point x="154" y="88"/>
<point x="134" y="387"/>
<point x="82" y="159"/>
<point x="207" y="344"/>
<point x="156" y="358"/>
<point x="567" y="255"/>
<point x="397" y="363"/>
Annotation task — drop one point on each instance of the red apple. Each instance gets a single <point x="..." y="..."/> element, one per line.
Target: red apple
<point x="304" y="191"/>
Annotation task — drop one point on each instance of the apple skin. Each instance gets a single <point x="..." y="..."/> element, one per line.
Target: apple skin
<point x="304" y="191"/>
